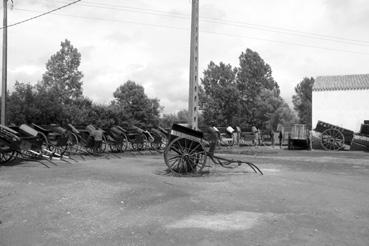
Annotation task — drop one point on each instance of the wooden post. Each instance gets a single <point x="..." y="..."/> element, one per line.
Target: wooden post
<point x="193" y="100"/>
<point x="5" y="60"/>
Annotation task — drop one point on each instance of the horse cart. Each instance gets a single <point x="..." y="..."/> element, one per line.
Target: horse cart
<point x="116" y="139"/>
<point x="25" y="143"/>
<point x="333" y="137"/>
<point x="159" y="139"/>
<point x="185" y="152"/>
<point x="87" y="140"/>
<point x="136" y="137"/>
<point x="57" y="137"/>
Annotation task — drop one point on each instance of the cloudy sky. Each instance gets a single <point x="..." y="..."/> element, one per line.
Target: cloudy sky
<point x="148" y="41"/>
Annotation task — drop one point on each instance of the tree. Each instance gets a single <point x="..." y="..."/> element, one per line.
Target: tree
<point x="302" y="100"/>
<point x="77" y="112"/>
<point x="272" y="111"/>
<point x="62" y="77"/>
<point x="253" y="76"/>
<point x="219" y="97"/>
<point x="138" y="108"/>
<point x="27" y="104"/>
<point x="167" y="120"/>
<point x="181" y="117"/>
<point x="243" y="96"/>
<point x="21" y="103"/>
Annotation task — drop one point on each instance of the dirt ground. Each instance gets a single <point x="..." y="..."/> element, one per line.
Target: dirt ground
<point x="304" y="198"/>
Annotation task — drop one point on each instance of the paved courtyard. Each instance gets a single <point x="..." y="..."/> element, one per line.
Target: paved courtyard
<point x="304" y="198"/>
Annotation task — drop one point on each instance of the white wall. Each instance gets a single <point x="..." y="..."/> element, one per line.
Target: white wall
<point x="346" y="108"/>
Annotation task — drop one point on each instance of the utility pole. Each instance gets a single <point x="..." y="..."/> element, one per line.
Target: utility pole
<point x="193" y="100"/>
<point x="5" y="61"/>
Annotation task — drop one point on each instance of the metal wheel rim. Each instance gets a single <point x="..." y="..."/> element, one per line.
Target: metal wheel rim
<point x="332" y="139"/>
<point x="6" y="156"/>
<point x="184" y="156"/>
<point x="72" y="143"/>
<point x="124" y="143"/>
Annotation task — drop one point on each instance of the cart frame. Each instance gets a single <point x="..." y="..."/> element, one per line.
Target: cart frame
<point x="185" y="152"/>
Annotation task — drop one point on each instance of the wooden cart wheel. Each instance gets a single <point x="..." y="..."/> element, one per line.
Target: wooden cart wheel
<point x="184" y="156"/>
<point x="164" y="141"/>
<point x="45" y="142"/>
<point x="6" y="154"/>
<point x="115" y="146"/>
<point x="73" y="145"/>
<point x="157" y="143"/>
<point x="332" y="139"/>
<point x="100" y="146"/>
<point x="138" y="143"/>
<point x="124" y="142"/>
<point x="60" y="150"/>
<point x="59" y="145"/>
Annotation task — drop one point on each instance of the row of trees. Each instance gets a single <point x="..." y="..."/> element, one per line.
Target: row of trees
<point x="58" y="98"/>
<point x="244" y="96"/>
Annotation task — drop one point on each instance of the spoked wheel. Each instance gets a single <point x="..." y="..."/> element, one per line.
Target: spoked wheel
<point x="184" y="156"/>
<point x="6" y="154"/>
<point x="72" y="143"/>
<point x="138" y="142"/>
<point x="332" y="139"/>
<point x="59" y="147"/>
<point x="115" y="147"/>
<point x="156" y="144"/>
<point x="164" y="142"/>
<point x="124" y="143"/>
<point x="25" y="154"/>
<point x="44" y="142"/>
<point x="62" y="145"/>
<point x="159" y="142"/>
<point x="104" y="144"/>
<point x="58" y="150"/>
<point x="99" y="147"/>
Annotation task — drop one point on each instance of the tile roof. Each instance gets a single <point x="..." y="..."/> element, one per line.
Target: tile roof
<point x="341" y="82"/>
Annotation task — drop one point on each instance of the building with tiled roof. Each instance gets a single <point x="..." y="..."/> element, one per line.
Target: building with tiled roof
<point x="341" y="100"/>
<point x="343" y="82"/>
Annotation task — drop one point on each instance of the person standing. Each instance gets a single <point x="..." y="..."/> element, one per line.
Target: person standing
<point x="271" y="135"/>
<point x="238" y="130"/>
<point x="280" y="136"/>
<point x="255" y="131"/>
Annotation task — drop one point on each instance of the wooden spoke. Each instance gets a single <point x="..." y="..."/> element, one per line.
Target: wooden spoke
<point x="184" y="156"/>
<point x="332" y="139"/>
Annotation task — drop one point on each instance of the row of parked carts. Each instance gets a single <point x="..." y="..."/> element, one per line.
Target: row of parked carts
<point x="32" y="141"/>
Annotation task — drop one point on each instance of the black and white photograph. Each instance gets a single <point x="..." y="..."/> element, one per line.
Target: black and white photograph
<point x="184" y="122"/>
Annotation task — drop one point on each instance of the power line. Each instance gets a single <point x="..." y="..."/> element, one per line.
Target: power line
<point x="266" y="28"/>
<point x="37" y="16"/>
<point x="111" y="20"/>
<point x="207" y="32"/>
<point x="290" y="43"/>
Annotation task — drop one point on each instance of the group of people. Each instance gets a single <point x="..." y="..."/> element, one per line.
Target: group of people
<point x="235" y="134"/>
<point x="258" y="137"/>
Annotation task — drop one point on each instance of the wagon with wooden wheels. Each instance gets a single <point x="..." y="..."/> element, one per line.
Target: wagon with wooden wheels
<point x="57" y="138"/>
<point x="157" y="139"/>
<point x="333" y="137"/>
<point x="116" y="139"/>
<point x="185" y="152"/>
<point x="88" y="140"/>
<point x="23" y="142"/>
<point x="137" y="138"/>
<point x="7" y="140"/>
